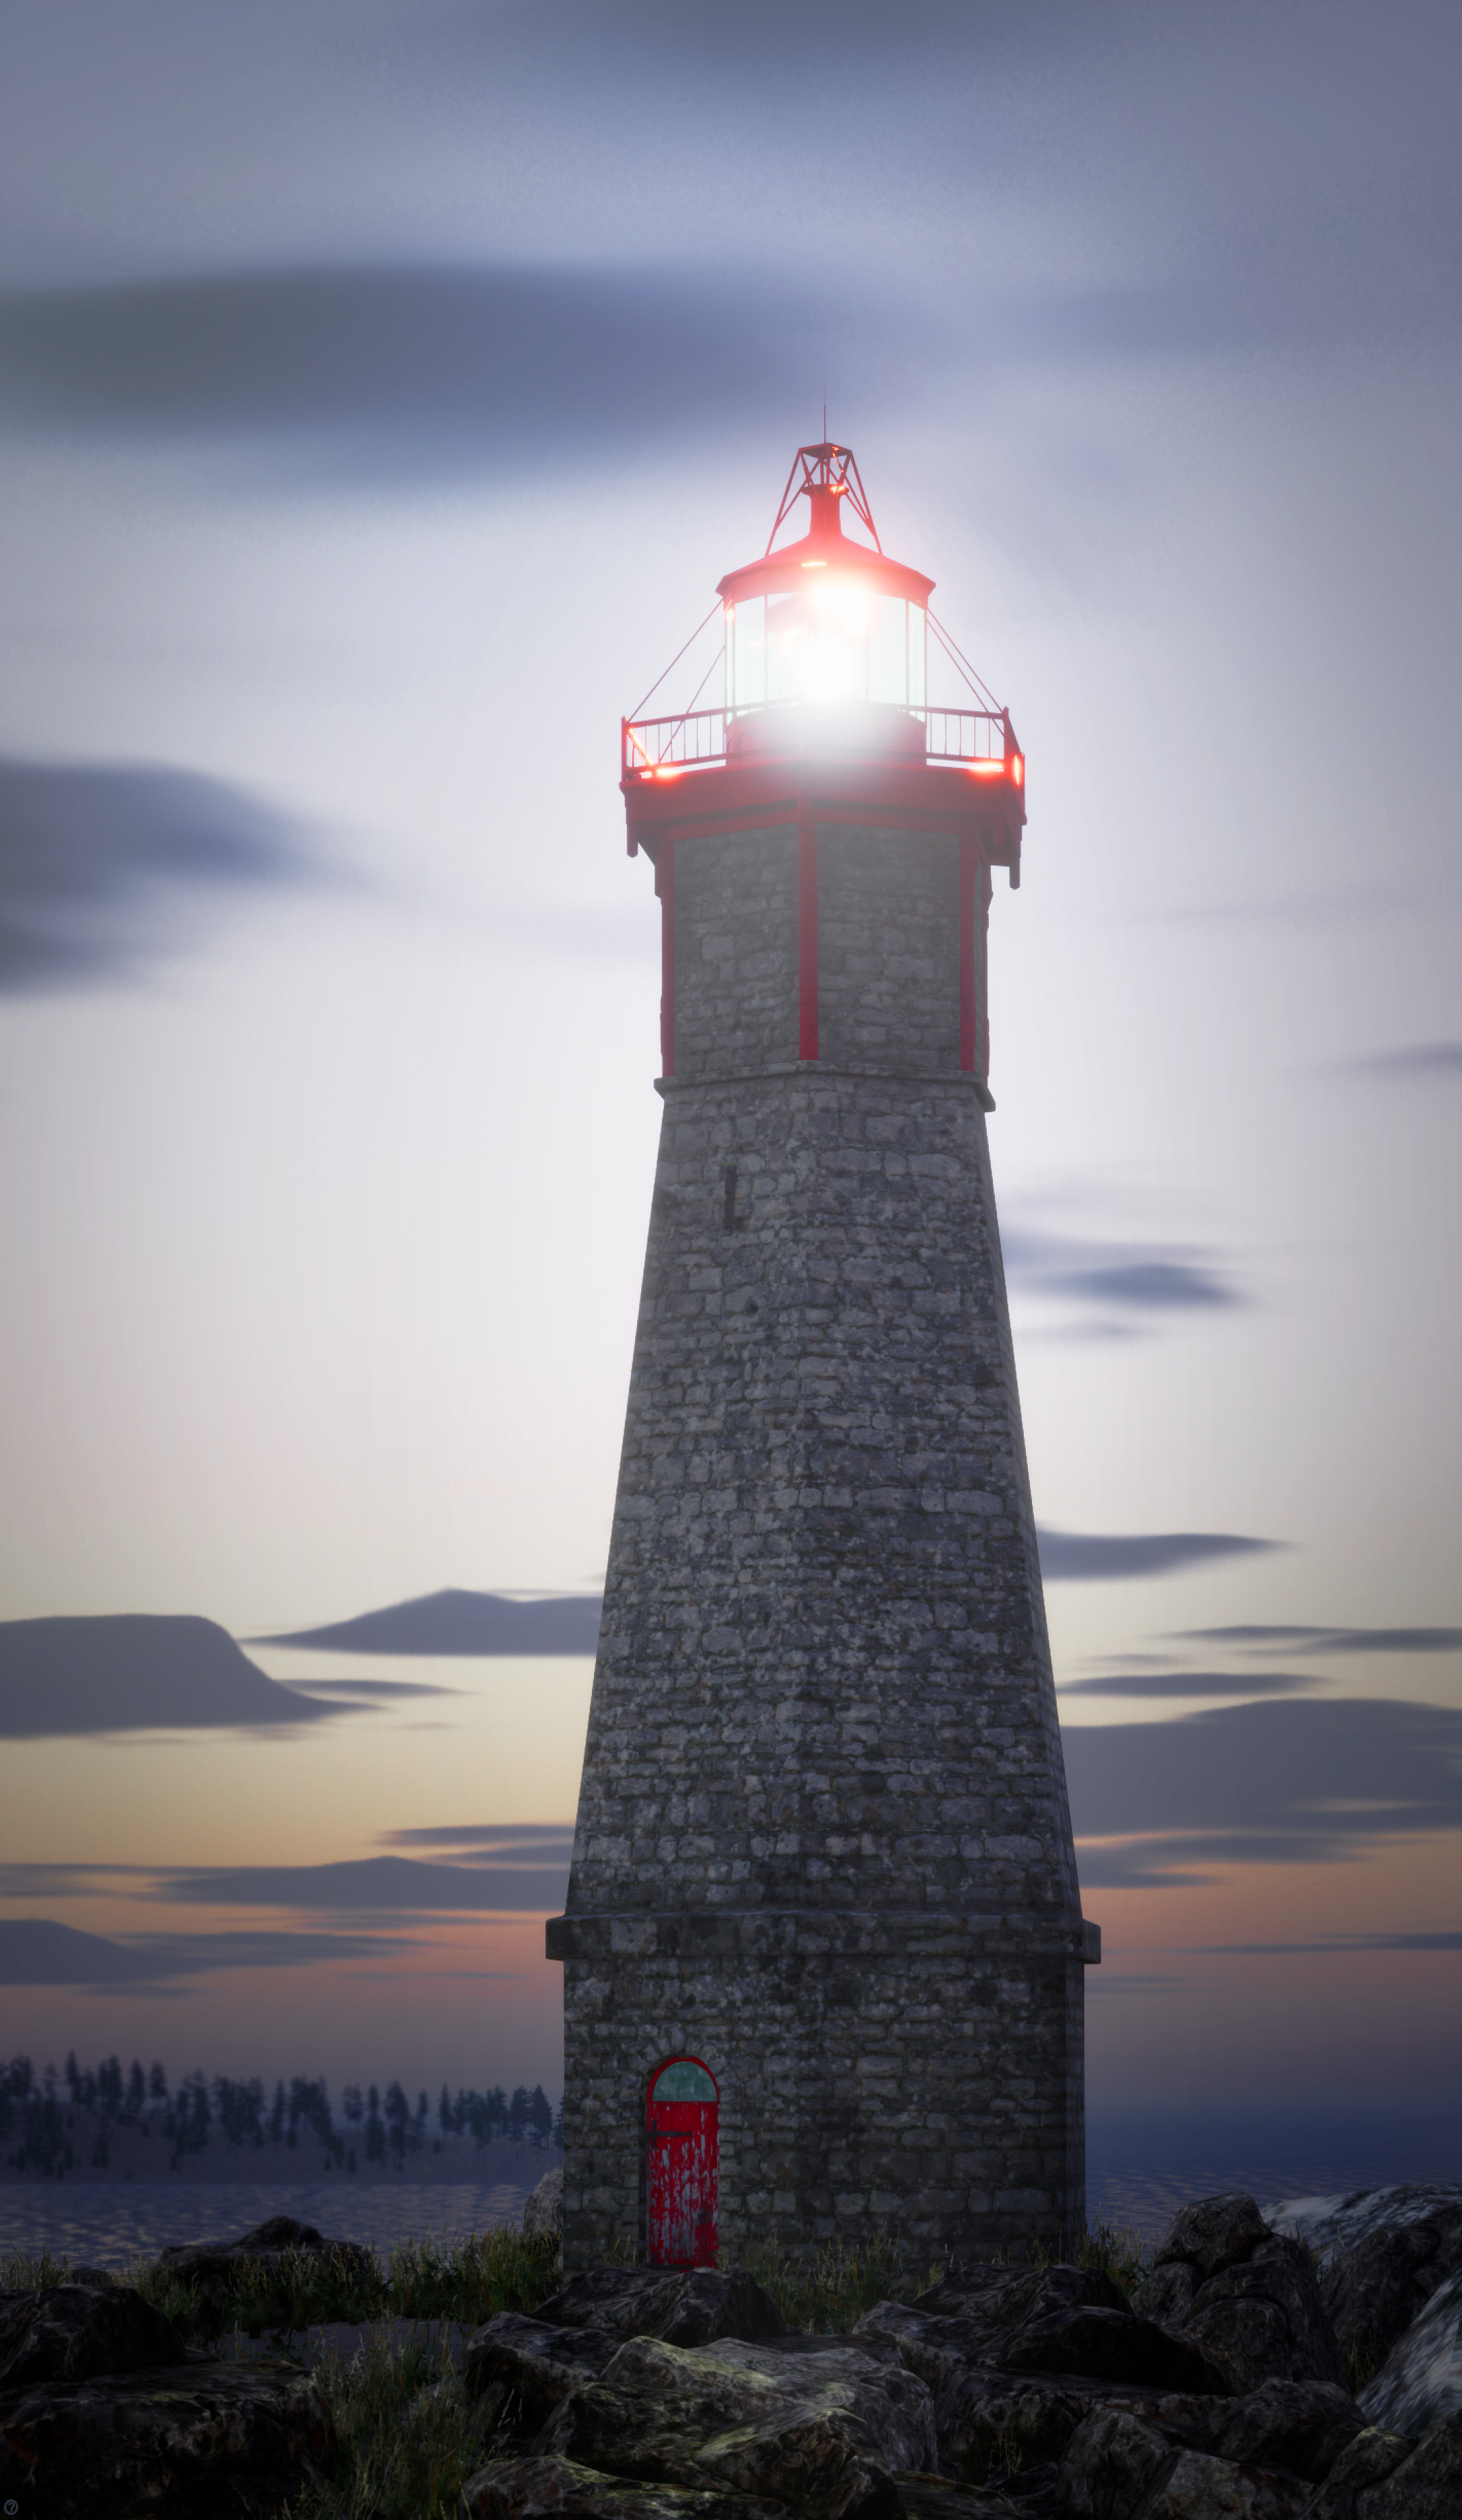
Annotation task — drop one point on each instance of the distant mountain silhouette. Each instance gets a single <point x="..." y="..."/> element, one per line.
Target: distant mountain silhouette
<point x="460" y="1623"/>
<point x="133" y="1673"/>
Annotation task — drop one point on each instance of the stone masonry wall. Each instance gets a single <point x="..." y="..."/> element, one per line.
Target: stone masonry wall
<point x="823" y="1839"/>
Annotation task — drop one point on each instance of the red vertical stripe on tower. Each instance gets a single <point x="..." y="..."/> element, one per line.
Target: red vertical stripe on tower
<point x="806" y="933"/>
<point x="664" y="885"/>
<point x="987" y="896"/>
<point x="968" y="1010"/>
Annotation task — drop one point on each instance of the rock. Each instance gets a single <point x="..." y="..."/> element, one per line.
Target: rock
<point x="538" y="2365"/>
<point x="1255" y="2305"/>
<point x="1373" y="2455"/>
<point x="79" y="2332"/>
<point x="1062" y="2320"/>
<point x="229" y="2441"/>
<point x="1421" y="2379"/>
<point x="1373" y="2291"/>
<point x="532" y="2488"/>
<point x="544" y="2214"/>
<point x="1111" y="2345"/>
<point x="822" y="2431"/>
<point x="1109" y="2461"/>
<point x="1217" y="2232"/>
<point x="211" y="2267"/>
<point x="992" y="2424"/>
<point x="1303" y="2425"/>
<point x="679" y="2308"/>
<point x="1197" y="2487"/>
<point x="934" y="2497"/>
<point x="1343" y="2221"/>
<point x="1426" y="2486"/>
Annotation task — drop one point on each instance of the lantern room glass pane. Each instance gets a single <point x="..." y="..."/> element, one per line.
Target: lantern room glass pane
<point x="745" y="652"/>
<point x="685" y="2080"/>
<point x="918" y="649"/>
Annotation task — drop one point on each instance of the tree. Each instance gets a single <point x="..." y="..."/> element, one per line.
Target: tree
<point x="136" y="2090"/>
<point x="518" y="2114"/>
<point x="445" y="2111"/>
<point x="157" y="2082"/>
<point x="540" y="2115"/>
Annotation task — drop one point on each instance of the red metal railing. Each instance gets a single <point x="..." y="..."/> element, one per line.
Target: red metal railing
<point x="698" y="740"/>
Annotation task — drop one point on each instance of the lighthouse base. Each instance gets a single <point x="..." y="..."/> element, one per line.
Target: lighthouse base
<point x="912" y="2076"/>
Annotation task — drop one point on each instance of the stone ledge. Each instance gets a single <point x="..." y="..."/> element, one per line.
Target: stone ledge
<point x="667" y="1085"/>
<point x="751" y="1933"/>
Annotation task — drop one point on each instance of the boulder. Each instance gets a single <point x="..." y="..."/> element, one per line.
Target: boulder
<point x="1343" y="2222"/>
<point x="822" y="2431"/>
<point x="528" y="2368"/>
<point x="1197" y="2487"/>
<point x="680" y="2305"/>
<point x="1426" y="2485"/>
<point x="211" y="2267"/>
<point x="544" y="2214"/>
<point x="235" y="2440"/>
<point x="80" y="2331"/>
<point x="1110" y="2459"/>
<point x="1062" y="2320"/>
<point x="1217" y="2232"/>
<point x="1374" y="2290"/>
<point x="533" y="2488"/>
<point x="1368" y="2460"/>
<point x="992" y="2424"/>
<point x="1421" y="2379"/>
<point x="1250" y="2298"/>
<point x="1302" y="2426"/>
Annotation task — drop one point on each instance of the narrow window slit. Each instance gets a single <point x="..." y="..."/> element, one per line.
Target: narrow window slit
<point x="728" y="1202"/>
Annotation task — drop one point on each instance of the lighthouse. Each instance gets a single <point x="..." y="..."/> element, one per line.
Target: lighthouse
<point x="823" y="1945"/>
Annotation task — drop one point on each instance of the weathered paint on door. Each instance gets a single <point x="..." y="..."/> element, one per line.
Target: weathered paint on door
<point x="682" y="2138"/>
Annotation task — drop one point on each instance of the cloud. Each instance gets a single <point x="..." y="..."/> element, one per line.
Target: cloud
<point x="135" y="1673"/>
<point x="436" y="368"/>
<point x="1100" y="1556"/>
<point x="36" y="1951"/>
<point x="1193" y="1683"/>
<point x="460" y="1623"/>
<point x="1130" y="1282"/>
<point x="1420" y="1062"/>
<point x="104" y="865"/>
<point x="1401" y="1942"/>
<point x="1260" y="1784"/>
<point x="367" y="1692"/>
<point x="1330" y="1640"/>
<point x="530" y="1841"/>
<point x="376" y="1883"/>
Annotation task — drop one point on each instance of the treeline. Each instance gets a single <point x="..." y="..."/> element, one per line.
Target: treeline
<point x="376" y="2128"/>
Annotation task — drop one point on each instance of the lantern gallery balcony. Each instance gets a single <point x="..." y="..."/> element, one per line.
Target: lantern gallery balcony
<point x="978" y="742"/>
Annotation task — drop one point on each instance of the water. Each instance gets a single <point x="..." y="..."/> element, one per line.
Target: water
<point x="102" y="2225"/>
<point x="1145" y="2158"/>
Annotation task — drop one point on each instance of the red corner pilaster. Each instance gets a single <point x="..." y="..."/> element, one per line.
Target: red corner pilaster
<point x="807" y="932"/>
<point x="664" y="885"/>
<point x="969" y="1013"/>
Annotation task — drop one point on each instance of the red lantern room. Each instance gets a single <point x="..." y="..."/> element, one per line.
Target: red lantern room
<point x="825" y="715"/>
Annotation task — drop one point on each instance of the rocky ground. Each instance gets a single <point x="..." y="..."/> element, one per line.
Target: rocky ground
<point x="1304" y="2366"/>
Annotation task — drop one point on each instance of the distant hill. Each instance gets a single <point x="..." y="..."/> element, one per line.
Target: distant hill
<point x="460" y="1623"/>
<point x="135" y="1673"/>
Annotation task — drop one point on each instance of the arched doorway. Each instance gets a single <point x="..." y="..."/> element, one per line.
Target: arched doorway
<point x="682" y="2142"/>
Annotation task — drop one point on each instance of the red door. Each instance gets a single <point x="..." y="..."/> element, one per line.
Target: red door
<point x="682" y="2138"/>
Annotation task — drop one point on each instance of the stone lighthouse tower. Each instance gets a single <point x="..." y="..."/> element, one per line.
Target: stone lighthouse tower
<point x="823" y="1942"/>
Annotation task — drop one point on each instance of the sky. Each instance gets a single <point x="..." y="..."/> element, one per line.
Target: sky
<point x="383" y="391"/>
